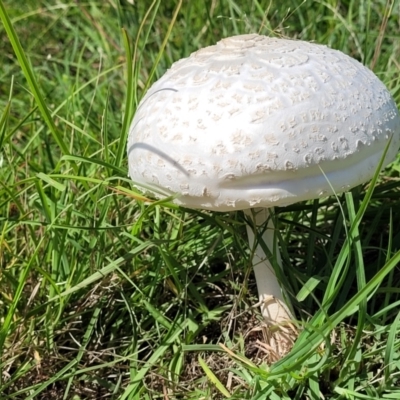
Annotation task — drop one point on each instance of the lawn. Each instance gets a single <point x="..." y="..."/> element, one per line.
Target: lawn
<point x="105" y="293"/>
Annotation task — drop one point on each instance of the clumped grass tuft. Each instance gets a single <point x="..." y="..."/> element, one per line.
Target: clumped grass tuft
<point x="107" y="294"/>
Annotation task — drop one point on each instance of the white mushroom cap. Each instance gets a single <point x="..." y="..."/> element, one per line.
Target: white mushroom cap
<point x="253" y="121"/>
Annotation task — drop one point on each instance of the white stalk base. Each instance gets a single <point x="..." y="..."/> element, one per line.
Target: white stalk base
<point x="281" y="333"/>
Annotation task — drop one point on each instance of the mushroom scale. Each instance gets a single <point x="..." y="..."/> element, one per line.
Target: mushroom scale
<point x="255" y="121"/>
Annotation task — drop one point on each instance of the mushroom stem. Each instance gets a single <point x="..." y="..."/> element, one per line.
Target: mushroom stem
<point x="273" y="304"/>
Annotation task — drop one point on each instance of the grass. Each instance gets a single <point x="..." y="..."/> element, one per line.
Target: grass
<point x="107" y="294"/>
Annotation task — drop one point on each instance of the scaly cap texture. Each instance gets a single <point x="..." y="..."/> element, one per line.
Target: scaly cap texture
<point x="255" y="121"/>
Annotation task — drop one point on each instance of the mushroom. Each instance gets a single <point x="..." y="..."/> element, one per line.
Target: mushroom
<point x="255" y="122"/>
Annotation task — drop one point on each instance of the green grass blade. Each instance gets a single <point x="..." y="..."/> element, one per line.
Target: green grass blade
<point x="30" y="77"/>
<point x="391" y="353"/>
<point x="128" y="101"/>
<point x="212" y="377"/>
<point x="164" y="43"/>
<point x="175" y="331"/>
<point x="17" y="296"/>
<point x="360" y="274"/>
